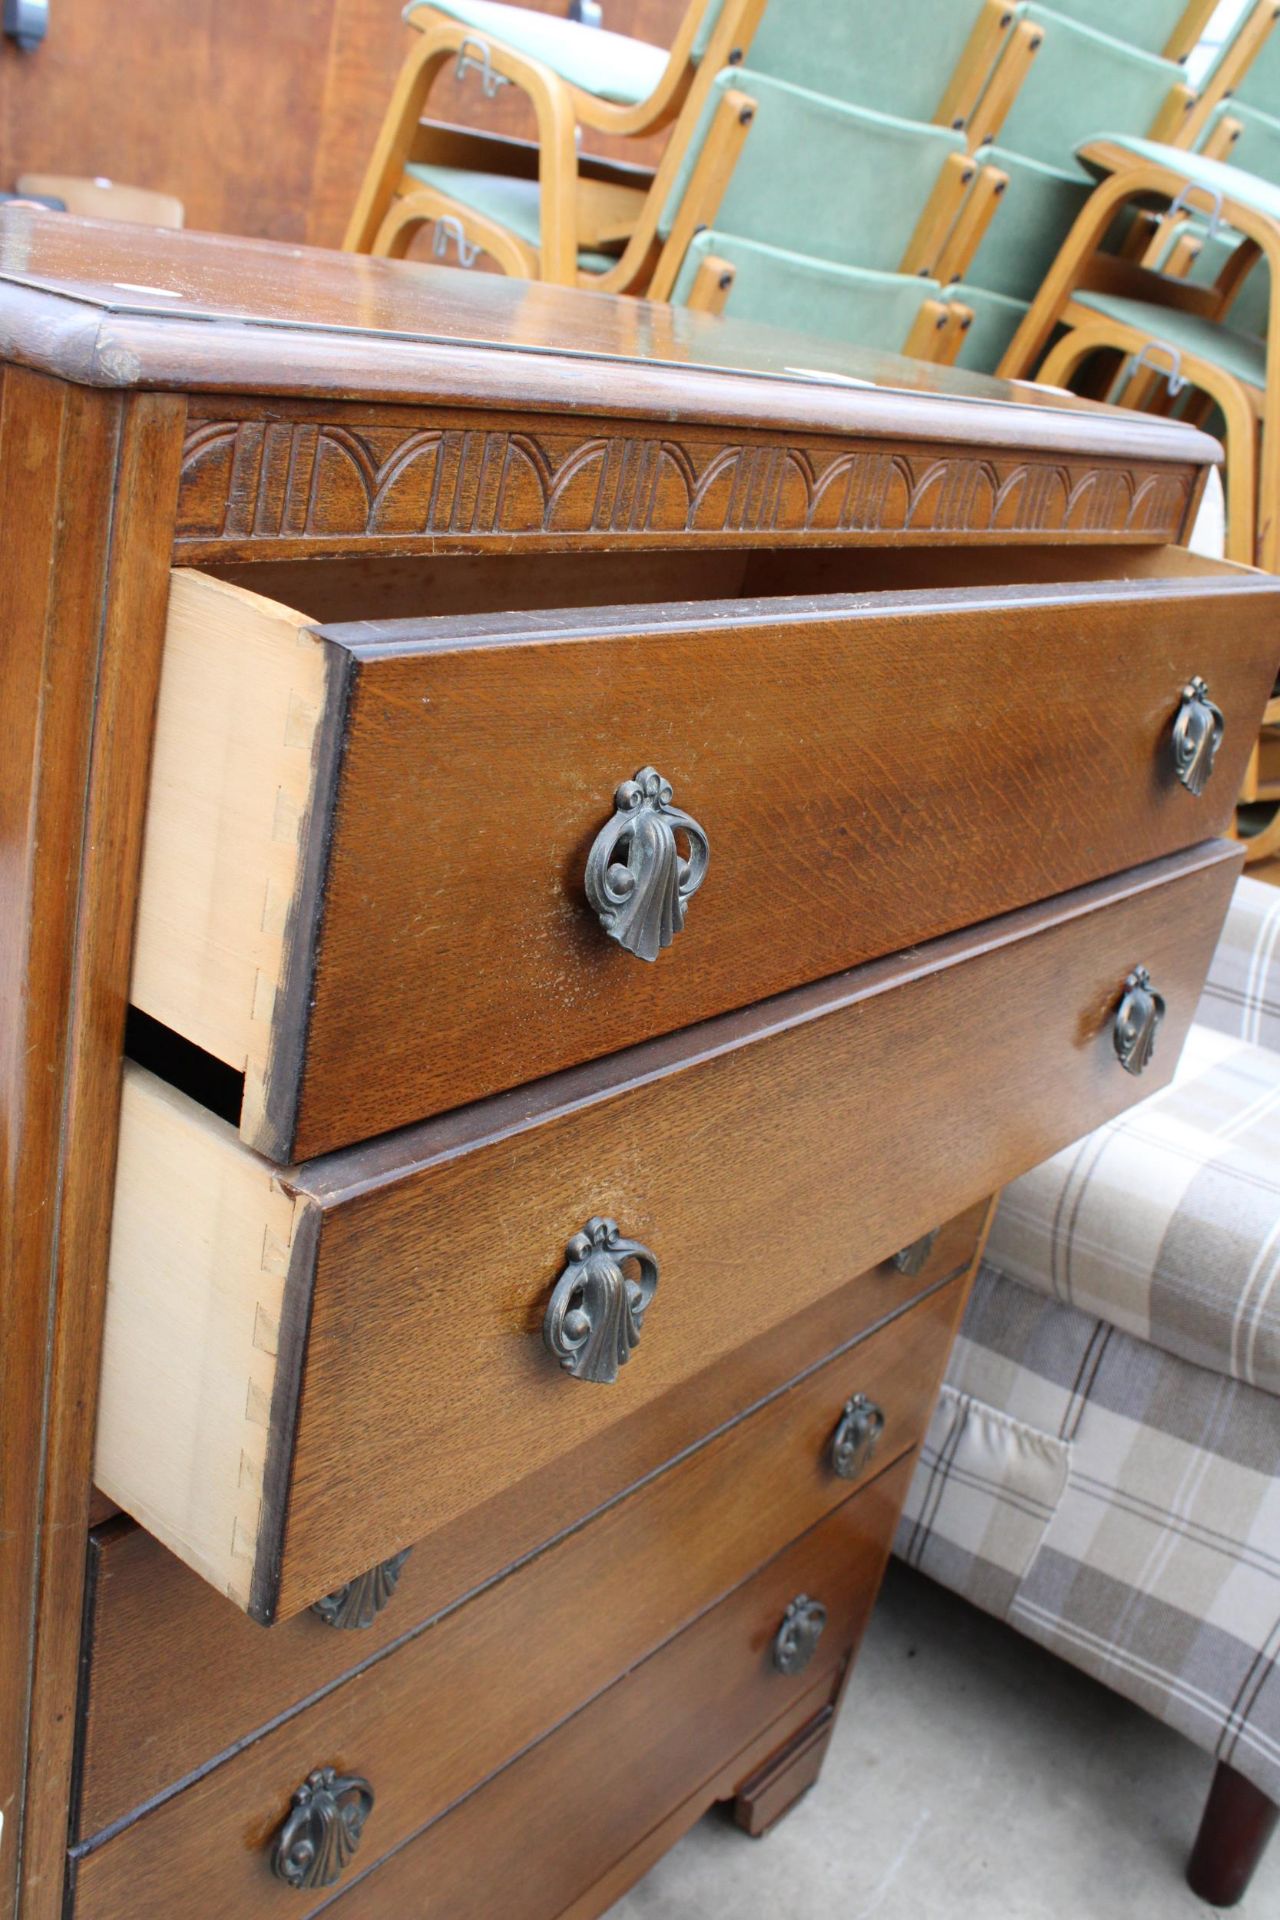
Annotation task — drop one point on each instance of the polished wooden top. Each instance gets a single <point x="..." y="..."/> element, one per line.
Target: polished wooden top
<point x="109" y="305"/>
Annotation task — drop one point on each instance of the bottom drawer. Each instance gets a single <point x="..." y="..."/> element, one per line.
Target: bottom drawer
<point x="537" y="1837"/>
<point x="494" y="1675"/>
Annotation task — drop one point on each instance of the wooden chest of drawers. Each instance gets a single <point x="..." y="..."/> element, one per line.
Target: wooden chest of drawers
<point x="617" y="841"/>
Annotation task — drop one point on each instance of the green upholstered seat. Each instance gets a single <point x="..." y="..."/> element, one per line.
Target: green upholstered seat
<point x="1250" y="310"/>
<point x="1149" y="24"/>
<point x="610" y="65"/>
<point x="1035" y="215"/>
<point x="996" y="318"/>
<point x="1215" y="177"/>
<point x="513" y="203"/>
<point x="1239" y="354"/>
<point x="805" y="295"/>
<point x="817" y="176"/>
<point x="893" y="57"/>
<point x="1079" y="82"/>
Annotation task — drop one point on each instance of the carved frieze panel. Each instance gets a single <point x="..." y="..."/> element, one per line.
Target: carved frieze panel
<point x="305" y="480"/>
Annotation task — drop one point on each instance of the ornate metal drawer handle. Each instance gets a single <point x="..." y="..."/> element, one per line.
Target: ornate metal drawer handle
<point x="796" y="1640"/>
<point x="856" y="1436"/>
<point x="358" y="1604"/>
<point x="323" y="1831"/>
<point x="595" y="1314"/>
<point x="914" y="1259"/>
<point x="1197" y="735"/>
<point x="1137" y="1021"/>
<point x="637" y="881"/>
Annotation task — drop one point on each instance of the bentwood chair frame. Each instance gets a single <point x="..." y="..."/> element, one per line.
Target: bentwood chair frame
<point x="606" y="211"/>
<point x="650" y="115"/>
<point x="1237" y="57"/>
<point x="560" y="109"/>
<point x="1082" y="266"/>
<point x="1000" y="55"/>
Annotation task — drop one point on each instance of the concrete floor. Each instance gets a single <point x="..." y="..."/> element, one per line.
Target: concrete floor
<point x="971" y="1777"/>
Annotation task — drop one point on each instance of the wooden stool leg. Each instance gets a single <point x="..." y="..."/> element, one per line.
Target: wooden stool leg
<point x="774" y="1788"/>
<point x="1237" y="1824"/>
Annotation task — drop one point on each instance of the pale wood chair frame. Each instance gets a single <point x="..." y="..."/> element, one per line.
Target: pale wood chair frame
<point x="1239" y="56"/>
<point x="646" y="116"/>
<point x="995" y="64"/>
<point x="1240" y="403"/>
<point x="557" y="110"/>
<point x="648" y="264"/>
<point x="1081" y="265"/>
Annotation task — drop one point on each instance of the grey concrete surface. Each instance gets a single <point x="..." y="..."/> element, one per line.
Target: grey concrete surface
<point x="972" y="1777"/>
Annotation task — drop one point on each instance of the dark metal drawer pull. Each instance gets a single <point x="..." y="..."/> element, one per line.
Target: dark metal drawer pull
<point x="596" y="1311"/>
<point x="322" y="1833"/>
<point x="797" y="1638"/>
<point x="913" y="1259"/>
<point x="358" y="1604"/>
<point x="1197" y="735"/>
<point x="1137" y="1021"/>
<point x="857" y="1436"/>
<point x="637" y="880"/>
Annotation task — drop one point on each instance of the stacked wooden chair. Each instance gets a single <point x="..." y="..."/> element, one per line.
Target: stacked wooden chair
<point x="850" y="207"/>
<point x="1055" y="76"/>
<point x="547" y="211"/>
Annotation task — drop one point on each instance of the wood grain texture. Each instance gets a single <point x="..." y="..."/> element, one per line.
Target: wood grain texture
<point x="515" y="1661"/>
<point x="406" y="1421"/>
<point x="320" y="484"/>
<point x="231" y="814"/>
<point x="135" y="1748"/>
<point x="769" y="1795"/>
<point x="682" y="1538"/>
<point x="98" y="100"/>
<point x="644" y="1744"/>
<point x="1001" y="772"/>
<point x="107" y="305"/>
<point x="88" y="486"/>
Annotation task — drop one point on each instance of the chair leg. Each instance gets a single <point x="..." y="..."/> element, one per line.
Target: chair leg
<point x="1237" y="1824"/>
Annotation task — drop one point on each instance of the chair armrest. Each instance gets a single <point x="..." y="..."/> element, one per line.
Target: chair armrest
<point x="1242" y="993"/>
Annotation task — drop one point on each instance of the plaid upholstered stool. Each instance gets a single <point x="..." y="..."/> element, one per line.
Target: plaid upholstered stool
<point x="1103" y="1470"/>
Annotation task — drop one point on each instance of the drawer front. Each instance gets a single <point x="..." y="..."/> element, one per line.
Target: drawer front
<point x="383" y="1369"/>
<point x="157" y="1634"/>
<point x="644" y="1744"/>
<point x="369" y="882"/>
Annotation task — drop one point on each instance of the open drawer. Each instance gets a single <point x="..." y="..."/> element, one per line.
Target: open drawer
<point x="305" y="1371"/>
<point x="373" y="848"/>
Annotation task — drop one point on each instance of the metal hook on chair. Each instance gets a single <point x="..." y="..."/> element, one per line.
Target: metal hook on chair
<point x="447" y="228"/>
<point x="1183" y="205"/>
<point x="475" y="53"/>
<point x="1173" y="379"/>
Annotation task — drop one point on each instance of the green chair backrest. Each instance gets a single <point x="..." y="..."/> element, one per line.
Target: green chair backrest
<point x="1257" y="150"/>
<point x="896" y="56"/>
<point x="1259" y="85"/>
<point x="1080" y="84"/>
<point x="996" y="318"/>
<point x="1149" y="24"/>
<point x="1035" y="214"/>
<point x="804" y="295"/>
<point x="817" y="176"/>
